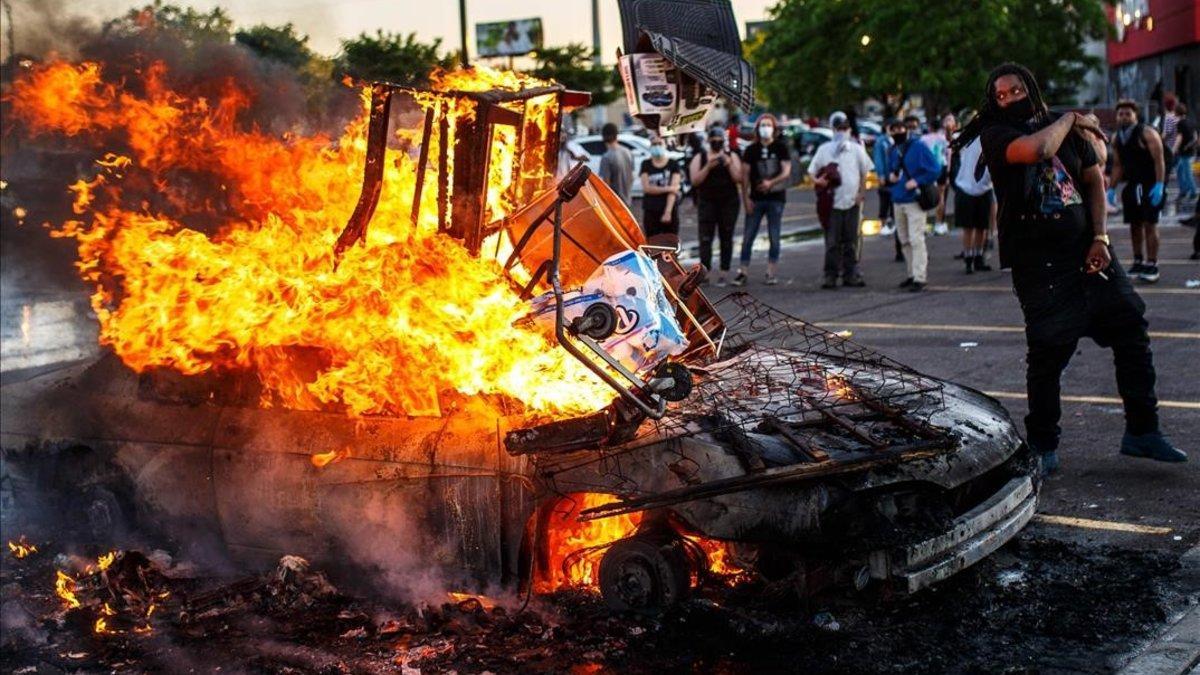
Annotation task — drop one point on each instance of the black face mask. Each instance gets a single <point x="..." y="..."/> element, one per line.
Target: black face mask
<point x="717" y="146"/>
<point x="899" y="136"/>
<point x="1020" y="111"/>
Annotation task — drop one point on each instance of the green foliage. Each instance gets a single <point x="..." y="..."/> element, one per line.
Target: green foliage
<point x="392" y="57"/>
<point x="278" y="43"/>
<point x="189" y="26"/>
<point x="811" y="57"/>
<point x="572" y="67"/>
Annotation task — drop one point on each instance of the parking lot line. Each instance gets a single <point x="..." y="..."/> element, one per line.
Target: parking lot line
<point x="1008" y="289"/>
<point x="1106" y="400"/>
<point x="1089" y="524"/>
<point x="971" y="328"/>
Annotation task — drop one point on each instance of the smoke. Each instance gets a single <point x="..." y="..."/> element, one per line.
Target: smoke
<point x="41" y="27"/>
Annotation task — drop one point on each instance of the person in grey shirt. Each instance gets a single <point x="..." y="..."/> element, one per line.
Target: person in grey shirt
<point x="616" y="165"/>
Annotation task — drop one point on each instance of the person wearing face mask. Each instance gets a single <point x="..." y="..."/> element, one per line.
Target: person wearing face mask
<point x="716" y="182"/>
<point x="911" y="165"/>
<point x="851" y="165"/>
<point x="1138" y="161"/>
<point x="1052" y="222"/>
<point x="879" y="155"/>
<point x="764" y="188"/>
<point x="661" y="179"/>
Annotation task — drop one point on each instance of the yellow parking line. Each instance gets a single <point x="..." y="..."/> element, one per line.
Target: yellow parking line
<point x="1143" y="290"/>
<point x="965" y="328"/>
<point x="1104" y="400"/>
<point x="1089" y="524"/>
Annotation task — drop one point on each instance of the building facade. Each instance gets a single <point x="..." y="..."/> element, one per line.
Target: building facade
<point x="1155" y="49"/>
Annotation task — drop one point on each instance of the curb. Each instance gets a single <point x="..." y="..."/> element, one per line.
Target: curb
<point x="1177" y="650"/>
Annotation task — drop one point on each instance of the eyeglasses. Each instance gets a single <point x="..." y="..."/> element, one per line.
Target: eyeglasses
<point x="1015" y="92"/>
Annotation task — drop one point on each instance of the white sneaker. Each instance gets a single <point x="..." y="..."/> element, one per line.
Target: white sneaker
<point x="887" y="230"/>
<point x="940" y="229"/>
<point x="771" y="281"/>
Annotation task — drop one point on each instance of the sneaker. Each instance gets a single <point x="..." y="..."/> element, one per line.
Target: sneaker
<point x="969" y="261"/>
<point x="960" y="255"/>
<point x="856" y="282"/>
<point x="1149" y="273"/>
<point x="1136" y="268"/>
<point x="830" y="283"/>
<point x="981" y="264"/>
<point x="770" y="280"/>
<point x="740" y="279"/>
<point x="1151" y="446"/>
<point x="940" y="229"/>
<point x="916" y="287"/>
<point x="907" y="282"/>
<point x="887" y="230"/>
<point x="721" y="283"/>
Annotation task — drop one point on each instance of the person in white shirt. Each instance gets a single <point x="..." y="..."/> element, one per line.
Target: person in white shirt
<point x="842" y="164"/>
<point x="974" y="205"/>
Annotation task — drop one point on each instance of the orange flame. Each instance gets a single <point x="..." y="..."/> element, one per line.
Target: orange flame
<point x="405" y="319"/>
<point x="21" y="548"/>
<point x="321" y="459"/>
<point x="64" y="587"/>
<point x="575" y="547"/>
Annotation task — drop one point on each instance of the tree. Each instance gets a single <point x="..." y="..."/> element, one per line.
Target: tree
<point x="816" y="55"/>
<point x="278" y="43"/>
<point x="572" y="67"/>
<point x="389" y="56"/>
<point x="188" y="26"/>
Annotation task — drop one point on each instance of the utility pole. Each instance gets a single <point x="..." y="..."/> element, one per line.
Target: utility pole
<point x="12" y="48"/>
<point x="462" y="31"/>
<point x="596" y="32"/>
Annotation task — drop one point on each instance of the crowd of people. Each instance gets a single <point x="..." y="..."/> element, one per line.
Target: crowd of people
<point x="920" y="173"/>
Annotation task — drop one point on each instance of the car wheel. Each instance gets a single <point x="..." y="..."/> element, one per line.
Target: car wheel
<point x="645" y="574"/>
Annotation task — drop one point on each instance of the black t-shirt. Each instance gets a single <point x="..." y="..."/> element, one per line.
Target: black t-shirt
<point x="1043" y="217"/>
<point x="1187" y="138"/>
<point x="659" y="177"/>
<point x="767" y="161"/>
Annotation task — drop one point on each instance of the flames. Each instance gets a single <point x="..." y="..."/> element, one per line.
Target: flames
<point x="210" y="249"/>
<point x="21" y="548"/>
<point x="575" y="547"/>
<point x="87" y="592"/>
<point x="323" y="459"/>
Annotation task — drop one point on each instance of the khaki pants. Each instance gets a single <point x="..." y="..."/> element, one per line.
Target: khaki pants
<point x="910" y="226"/>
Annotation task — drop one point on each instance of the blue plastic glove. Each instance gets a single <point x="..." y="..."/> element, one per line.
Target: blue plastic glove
<point x="1156" y="194"/>
<point x="1112" y="196"/>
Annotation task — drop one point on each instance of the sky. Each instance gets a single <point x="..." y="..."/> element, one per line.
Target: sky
<point x="328" y="21"/>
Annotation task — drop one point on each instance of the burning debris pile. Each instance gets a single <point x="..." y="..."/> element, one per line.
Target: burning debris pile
<point x="291" y="619"/>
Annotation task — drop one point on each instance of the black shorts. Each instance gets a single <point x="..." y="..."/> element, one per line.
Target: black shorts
<point x="652" y="222"/>
<point x="944" y="177"/>
<point x="1135" y="204"/>
<point x="971" y="212"/>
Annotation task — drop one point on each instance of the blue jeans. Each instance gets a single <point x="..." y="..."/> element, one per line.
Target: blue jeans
<point x="1183" y="173"/>
<point x="773" y="210"/>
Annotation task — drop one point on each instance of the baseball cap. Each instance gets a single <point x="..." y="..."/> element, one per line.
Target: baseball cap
<point x="837" y="119"/>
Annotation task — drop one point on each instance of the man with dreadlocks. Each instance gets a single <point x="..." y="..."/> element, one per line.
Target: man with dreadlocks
<point x="1052" y="235"/>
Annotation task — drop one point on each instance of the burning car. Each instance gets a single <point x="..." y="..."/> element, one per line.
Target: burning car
<point x="281" y="388"/>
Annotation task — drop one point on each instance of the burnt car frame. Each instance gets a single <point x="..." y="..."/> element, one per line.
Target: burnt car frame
<point x="819" y="461"/>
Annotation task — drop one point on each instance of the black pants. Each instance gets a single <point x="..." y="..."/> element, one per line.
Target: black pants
<point x="885" y="204"/>
<point x="1062" y="305"/>
<point x="653" y="224"/>
<point x="717" y="216"/>
<point x="841" y="244"/>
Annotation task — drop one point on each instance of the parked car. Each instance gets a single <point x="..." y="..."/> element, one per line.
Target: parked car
<point x="593" y="148"/>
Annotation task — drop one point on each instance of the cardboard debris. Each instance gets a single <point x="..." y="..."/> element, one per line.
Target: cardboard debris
<point x="662" y="96"/>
